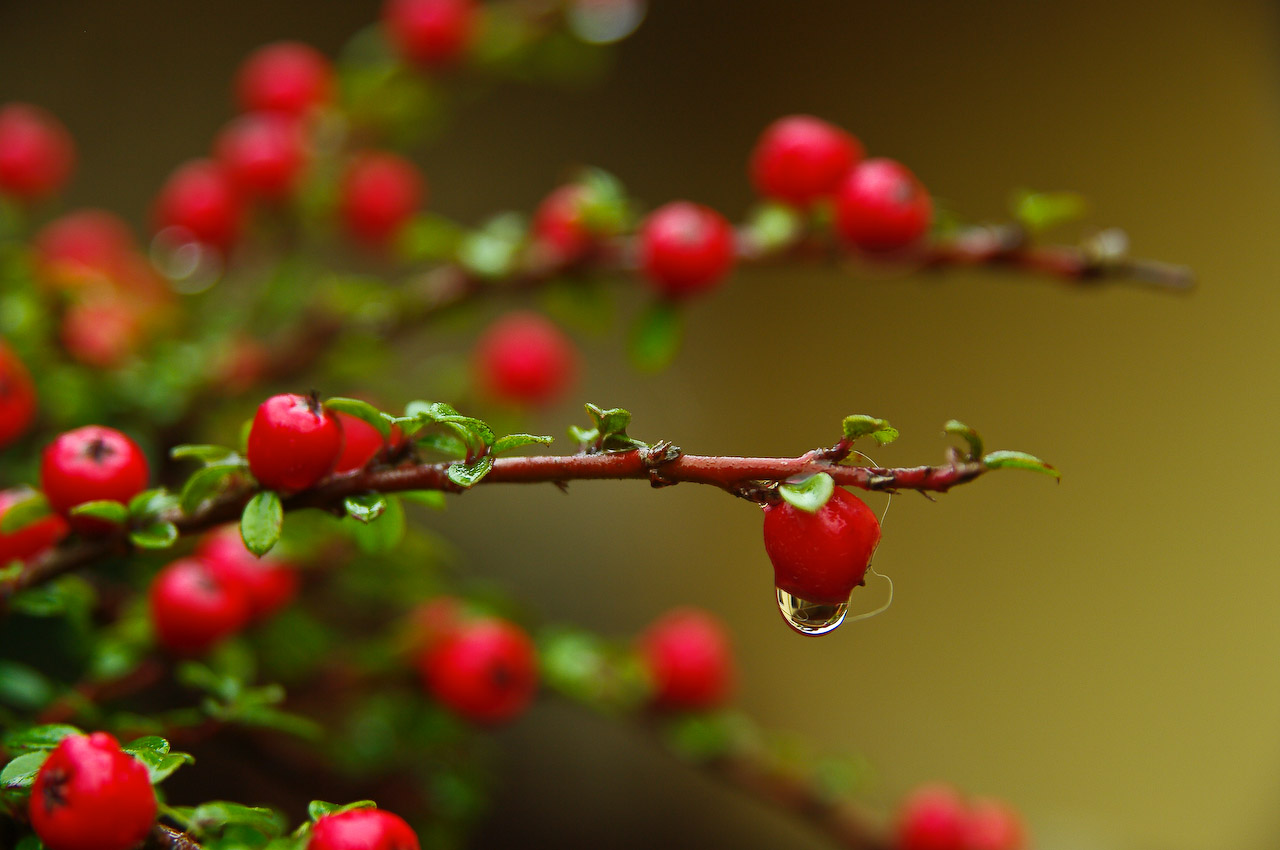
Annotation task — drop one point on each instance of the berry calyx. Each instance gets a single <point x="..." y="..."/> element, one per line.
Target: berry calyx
<point x="992" y="825"/>
<point x="822" y="556"/>
<point x="688" y="658"/>
<point x="685" y="248"/>
<point x="485" y="670"/>
<point x="30" y="541"/>
<point x="90" y="795"/>
<point x="362" y="829"/>
<point x="286" y="76"/>
<point x="195" y="606"/>
<point x="263" y="153"/>
<point x="293" y="442"/>
<point x="361" y="442"/>
<point x="36" y="152"/>
<point x="881" y="206"/>
<point x="268" y="583"/>
<point x="17" y="397"/>
<point x="524" y="359"/>
<point x="430" y="33"/>
<point x="379" y="193"/>
<point x="931" y="818"/>
<point x="88" y="464"/>
<point x="800" y="159"/>
<point x="200" y="198"/>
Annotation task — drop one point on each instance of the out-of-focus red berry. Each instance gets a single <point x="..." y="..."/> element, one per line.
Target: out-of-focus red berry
<point x="362" y="829"/>
<point x="200" y="198"/>
<point x="379" y="193"/>
<point x="86" y="240"/>
<point x="689" y="660"/>
<point x="269" y="583"/>
<point x="17" y="396"/>
<point x="931" y="818"/>
<point x="264" y="154"/>
<point x="194" y="606"/>
<point x="286" y="76"/>
<point x="523" y="358"/>
<point x="29" y="542"/>
<point x="881" y="206"/>
<point x="993" y="825"/>
<point x="36" y="152"/>
<point x="485" y="670"/>
<point x="101" y="332"/>
<point x="800" y="159"/>
<point x="685" y="249"/>
<point x="430" y="33"/>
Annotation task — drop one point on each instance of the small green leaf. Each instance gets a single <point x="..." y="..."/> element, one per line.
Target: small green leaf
<point x="29" y="842"/>
<point x="516" y="441"/>
<point x="206" y="454"/>
<point x="493" y="251"/>
<point x="445" y="444"/>
<point x="376" y="538"/>
<point x="1041" y="211"/>
<point x="153" y="743"/>
<point x="21" y="772"/>
<point x="466" y="475"/>
<point x="428" y="238"/>
<point x="655" y="337"/>
<point x="203" y="485"/>
<point x="104" y="509"/>
<point x="366" y="507"/>
<point x="1019" y="460"/>
<point x="21" y="514"/>
<point x="809" y="494"/>
<point x="220" y="814"/>
<point x="261" y="522"/>
<point x="150" y="504"/>
<point x="610" y="433"/>
<point x="317" y="809"/>
<point x="363" y="411"/>
<point x="158" y="535"/>
<point x="878" y="429"/>
<point x="44" y="737"/>
<point x="970" y="436"/>
<point x="773" y="227"/>
<point x="161" y="765"/>
<point x="24" y="687"/>
<point x="433" y="499"/>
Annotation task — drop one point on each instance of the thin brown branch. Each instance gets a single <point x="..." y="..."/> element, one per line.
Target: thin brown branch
<point x="164" y="837"/>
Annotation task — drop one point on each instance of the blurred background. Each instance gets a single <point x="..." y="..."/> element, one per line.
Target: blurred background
<point x="1102" y="653"/>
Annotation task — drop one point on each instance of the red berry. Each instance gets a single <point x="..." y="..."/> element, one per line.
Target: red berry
<point x="195" y="606"/>
<point x="821" y="557"/>
<point x="362" y="829"/>
<point x="800" y="159"/>
<point x="931" y="818"/>
<point x="361" y="441"/>
<point x="269" y="583"/>
<point x="485" y="670"/>
<point x="101" y="332"/>
<point x="881" y="206"/>
<point x="524" y="359"/>
<point x="263" y="153"/>
<point x="992" y="825"/>
<point x="558" y="224"/>
<point x="87" y="240"/>
<point x="17" y="397"/>
<point x="29" y="542"/>
<point x="36" y="152"/>
<point x="689" y="660"/>
<point x="685" y="248"/>
<point x="293" y="442"/>
<point x="379" y="192"/>
<point x="90" y="795"/>
<point x="88" y="464"/>
<point x="431" y="33"/>
<point x="286" y="76"/>
<point x="200" y="198"/>
<point x="431" y="621"/>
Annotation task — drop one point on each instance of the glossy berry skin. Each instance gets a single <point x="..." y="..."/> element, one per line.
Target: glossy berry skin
<point x="429" y="33"/>
<point x="485" y="670"/>
<point x="685" y="249"/>
<point x="27" y="543"/>
<point x="36" y="153"/>
<point x="268" y="583"/>
<point x="194" y="606"/>
<point x="361" y="441"/>
<point x="293" y="442"/>
<point x="263" y="153"/>
<point x="201" y="198"/>
<point x="881" y="206"/>
<point x="89" y="795"/>
<point x="931" y="818"/>
<point x="286" y="76"/>
<point x="88" y="464"/>
<point x="17" y="397"/>
<point x="362" y="829"/>
<point x="524" y="359"/>
<point x="992" y="825"/>
<point x="689" y="660"/>
<point x="379" y="193"/>
<point x="800" y="159"/>
<point x="821" y="557"/>
<point x="559" y="225"/>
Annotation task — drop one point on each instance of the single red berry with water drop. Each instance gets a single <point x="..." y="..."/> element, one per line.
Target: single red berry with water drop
<point x="362" y="829"/>
<point x="293" y="442"/>
<point x="688" y="658"/>
<point x="430" y="33"/>
<point x="201" y="199"/>
<point x="485" y="670"/>
<point x="263" y="153"/>
<point x="821" y="556"/>
<point x="269" y="583"/>
<point x="90" y="795"/>
<point x="195" y="606"/>
<point x="992" y="825"/>
<point x="30" y="541"/>
<point x="881" y="206"/>
<point x="685" y="248"/>
<point x="800" y="159"/>
<point x="17" y="397"/>
<point x="524" y="359"/>
<point x="932" y="817"/>
<point x="36" y="152"/>
<point x="379" y="192"/>
<point x="89" y="464"/>
<point x="286" y="76"/>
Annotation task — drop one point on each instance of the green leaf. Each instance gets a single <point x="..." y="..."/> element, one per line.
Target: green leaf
<point x="516" y="441"/>
<point x="604" y="207"/>
<point x="772" y="227"/>
<point x="701" y="737"/>
<point x="610" y="433"/>
<point x="428" y="238"/>
<point x="150" y="504"/>
<point x="466" y="475"/>
<point x="317" y="809"/>
<point x="862" y="426"/>
<point x="433" y="499"/>
<point x="376" y="538"/>
<point x="158" y="535"/>
<point x="1041" y="211"/>
<point x="261" y="522"/>
<point x="24" y="687"/>
<point x="363" y="411"/>
<point x="203" y="485"/>
<point x="21" y="514"/>
<point x="44" y="737"/>
<point x="809" y="494"/>
<point x="161" y="765"/>
<point x="655" y="336"/>
<point x="366" y="507"/>
<point x="970" y="436"/>
<point x="445" y="444"/>
<point x="493" y="251"/>
<point x="21" y="772"/>
<point x="206" y="454"/>
<point x="1019" y="460"/>
<point x="154" y="743"/>
<point x="104" y="509"/>
<point x="220" y="814"/>
<point x="29" y="842"/>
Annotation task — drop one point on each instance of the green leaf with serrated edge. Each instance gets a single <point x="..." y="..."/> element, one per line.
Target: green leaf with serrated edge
<point x="516" y="441"/>
<point x="1019" y="460"/>
<point x="21" y="514"/>
<point x="654" y="340"/>
<point x="21" y="772"/>
<point x="878" y="429"/>
<point x="203" y="485"/>
<point x="103" y="509"/>
<point x="206" y="454"/>
<point x="366" y="507"/>
<point x="148" y="742"/>
<point x="970" y="436"/>
<point x="809" y="494"/>
<point x="261" y="522"/>
<point x="376" y="538"/>
<point x="445" y="444"/>
<point x="1041" y="211"/>
<point x="466" y="475"/>
<point x="317" y="809"/>
<point x="363" y="411"/>
<point x="158" y="535"/>
<point x="151" y="503"/>
<point x="219" y="814"/>
<point x="44" y="737"/>
<point x="433" y="499"/>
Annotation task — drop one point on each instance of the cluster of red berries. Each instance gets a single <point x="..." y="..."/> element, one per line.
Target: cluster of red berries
<point x="821" y="556"/>
<point x="936" y="817"/>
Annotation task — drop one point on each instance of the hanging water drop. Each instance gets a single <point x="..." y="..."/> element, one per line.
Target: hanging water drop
<point x="810" y="618"/>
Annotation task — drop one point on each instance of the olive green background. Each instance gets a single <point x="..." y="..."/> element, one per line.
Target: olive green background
<point x="1101" y="652"/>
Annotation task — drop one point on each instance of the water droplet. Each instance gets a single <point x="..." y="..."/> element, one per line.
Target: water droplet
<point x="605" y="21"/>
<point x="190" y="267"/>
<point x="810" y="618"/>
